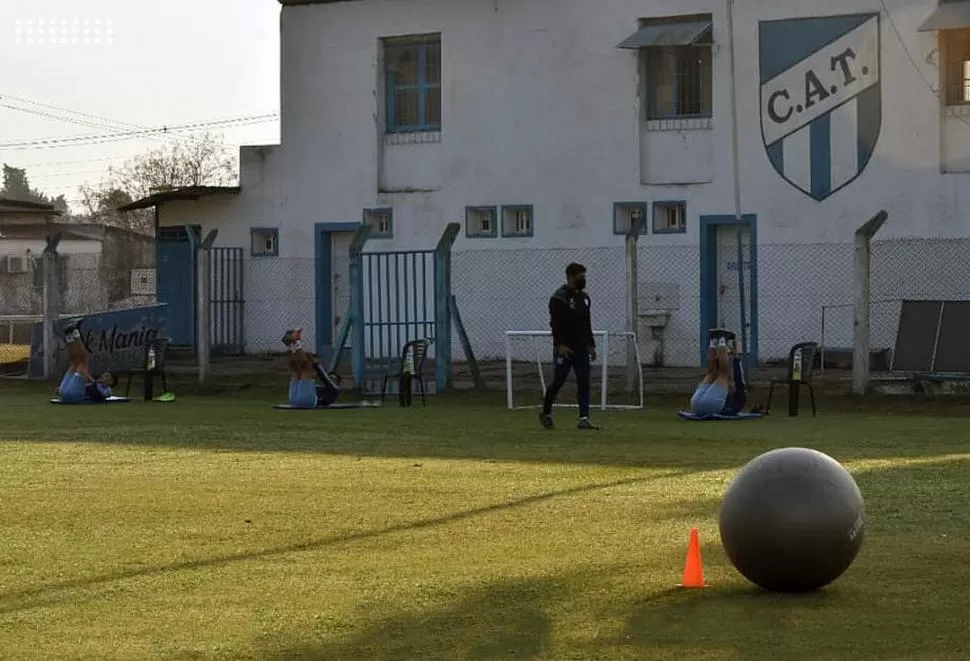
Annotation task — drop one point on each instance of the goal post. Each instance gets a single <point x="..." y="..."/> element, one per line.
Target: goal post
<point x="529" y="366"/>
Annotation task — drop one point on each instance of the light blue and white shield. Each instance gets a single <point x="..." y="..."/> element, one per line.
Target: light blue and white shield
<point x="821" y="98"/>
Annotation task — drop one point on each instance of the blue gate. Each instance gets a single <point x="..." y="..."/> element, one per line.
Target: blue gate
<point x="396" y="297"/>
<point x="226" y="301"/>
<point x="399" y="306"/>
<point x="175" y="282"/>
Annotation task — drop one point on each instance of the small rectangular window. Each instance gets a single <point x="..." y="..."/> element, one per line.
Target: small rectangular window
<point x="265" y="242"/>
<point x="517" y="220"/>
<point x="381" y="223"/>
<point x="481" y="222"/>
<point x="669" y="217"/>
<point x="955" y="45"/>
<point x="629" y="214"/>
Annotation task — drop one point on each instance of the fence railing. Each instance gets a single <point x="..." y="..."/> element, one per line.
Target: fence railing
<point x="658" y="287"/>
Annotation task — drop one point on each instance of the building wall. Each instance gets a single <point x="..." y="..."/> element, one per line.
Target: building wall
<point x="36" y="246"/>
<point x="279" y="291"/>
<point x="540" y="107"/>
<point x="95" y="275"/>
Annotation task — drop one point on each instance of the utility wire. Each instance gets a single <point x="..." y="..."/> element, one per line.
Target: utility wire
<point x="52" y="143"/>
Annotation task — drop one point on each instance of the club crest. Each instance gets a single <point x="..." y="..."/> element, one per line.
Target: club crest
<point x="821" y="98"/>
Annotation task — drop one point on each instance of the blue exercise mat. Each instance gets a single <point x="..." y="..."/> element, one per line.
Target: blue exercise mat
<point x="355" y="405"/>
<point x="109" y="400"/>
<point x="687" y="415"/>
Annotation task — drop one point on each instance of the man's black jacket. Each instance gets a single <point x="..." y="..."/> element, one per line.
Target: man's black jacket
<point x="570" y="320"/>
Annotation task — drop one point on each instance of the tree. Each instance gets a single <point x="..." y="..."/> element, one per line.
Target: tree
<point x="16" y="186"/>
<point x="201" y="160"/>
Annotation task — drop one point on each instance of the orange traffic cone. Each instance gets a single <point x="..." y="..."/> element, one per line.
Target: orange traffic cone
<point x="694" y="567"/>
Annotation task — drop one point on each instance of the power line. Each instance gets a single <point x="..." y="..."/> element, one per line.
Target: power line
<point x="71" y="120"/>
<point x="52" y="143"/>
<point x="48" y="164"/>
<point x="107" y="120"/>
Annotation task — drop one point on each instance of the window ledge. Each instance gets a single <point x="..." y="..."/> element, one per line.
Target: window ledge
<point x="412" y="137"/>
<point x="680" y="124"/>
<point x="957" y="111"/>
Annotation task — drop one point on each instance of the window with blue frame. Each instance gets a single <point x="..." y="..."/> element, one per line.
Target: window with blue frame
<point x="677" y="64"/>
<point x="265" y="242"/>
<point x="412" y="74"/>
<point x="670" y="217"/>
<point x="381" y="223"/>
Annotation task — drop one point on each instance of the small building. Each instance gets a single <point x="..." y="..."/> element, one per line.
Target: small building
<point x="548" y="129"/>
<point x="101" y="267"/>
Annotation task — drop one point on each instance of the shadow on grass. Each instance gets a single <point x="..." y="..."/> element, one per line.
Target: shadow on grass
<point x="463" y="428"/>
<point x="507" y="621"/>
<point x="32" y="597"/>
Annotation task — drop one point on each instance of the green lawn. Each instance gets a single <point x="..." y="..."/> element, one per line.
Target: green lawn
<point x="218" y="528"/>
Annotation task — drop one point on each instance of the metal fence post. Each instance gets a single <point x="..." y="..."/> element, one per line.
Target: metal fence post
<point x="204" y="301"/>
<point x="442" y="292"/>
<point x="355" y="323"/>
<point x="860" y="287"/>
<point x="50" y="266"/>
<point x="633" y="304"/>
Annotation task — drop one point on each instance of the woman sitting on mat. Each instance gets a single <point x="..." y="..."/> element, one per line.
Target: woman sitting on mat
<point x="102" y="388"/>
<point x="714" y="391"/>
<point x="304" y="391"/>
<point x="74" y="385"/>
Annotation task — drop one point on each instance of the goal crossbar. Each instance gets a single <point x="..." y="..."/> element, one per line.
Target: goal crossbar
<point x="602" y="338"/>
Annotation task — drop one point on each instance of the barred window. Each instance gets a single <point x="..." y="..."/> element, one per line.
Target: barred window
<point x="679" y="81"/>
<point x="956" y="66"/>
<point x="412" y="73"/>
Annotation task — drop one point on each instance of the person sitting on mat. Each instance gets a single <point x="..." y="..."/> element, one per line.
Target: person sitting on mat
<point x="713" y="394"/>
<point x="73" y="386"/>
<point x="102" y="388"/>
<point x="304" y="391"/>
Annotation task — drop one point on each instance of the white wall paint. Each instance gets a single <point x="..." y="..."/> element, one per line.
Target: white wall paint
<point x="540" y="107"/>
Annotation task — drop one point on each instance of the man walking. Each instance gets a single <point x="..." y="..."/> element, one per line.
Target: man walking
<point x="575" y="348"/>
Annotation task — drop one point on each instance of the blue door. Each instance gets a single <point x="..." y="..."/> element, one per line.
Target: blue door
<point x="720" y="300"/>
<point x="175" y="282"/>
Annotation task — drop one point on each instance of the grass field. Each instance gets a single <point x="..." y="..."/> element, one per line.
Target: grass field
<point x="218" y="528"/>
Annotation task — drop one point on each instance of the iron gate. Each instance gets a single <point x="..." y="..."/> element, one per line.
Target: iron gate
<point x="226" y="302"/>
<point x="399" y="305"/>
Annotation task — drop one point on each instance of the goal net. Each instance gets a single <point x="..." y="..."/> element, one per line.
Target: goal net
<point x="616" y="381"/>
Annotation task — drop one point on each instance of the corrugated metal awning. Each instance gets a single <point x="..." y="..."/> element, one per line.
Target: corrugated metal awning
<point x="948" y="16"/>
<point x="667" y="34"/>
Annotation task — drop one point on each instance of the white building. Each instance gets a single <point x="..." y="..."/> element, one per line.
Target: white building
<point x="542" y="127"/>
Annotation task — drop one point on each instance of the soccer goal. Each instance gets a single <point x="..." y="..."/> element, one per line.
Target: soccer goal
<point x="616" y="381"/>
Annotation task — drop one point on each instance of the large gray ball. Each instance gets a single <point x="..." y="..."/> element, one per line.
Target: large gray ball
<point x="793" y="520"/>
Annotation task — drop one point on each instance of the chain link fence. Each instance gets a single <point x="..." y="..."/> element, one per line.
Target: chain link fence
<point x="280" y="294"/>
<point x="802" y="292"/>
<point x="86" y="283"/>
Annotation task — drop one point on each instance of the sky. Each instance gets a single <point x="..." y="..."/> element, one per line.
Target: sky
<point x="144" y="65"/>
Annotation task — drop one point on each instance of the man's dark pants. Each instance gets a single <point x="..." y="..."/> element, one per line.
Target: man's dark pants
<point x="577" y="362"/>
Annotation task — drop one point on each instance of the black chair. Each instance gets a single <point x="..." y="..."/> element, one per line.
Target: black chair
<point x="417" y="351"/>
<point x="152" y="365"/>
<point x="806" y="353"/>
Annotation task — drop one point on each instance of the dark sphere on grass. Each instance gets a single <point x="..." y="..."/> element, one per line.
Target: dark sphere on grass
<point x="793" y="520"/>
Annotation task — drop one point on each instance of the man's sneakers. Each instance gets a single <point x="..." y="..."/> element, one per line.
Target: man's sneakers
<point x="547" y="423"/>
